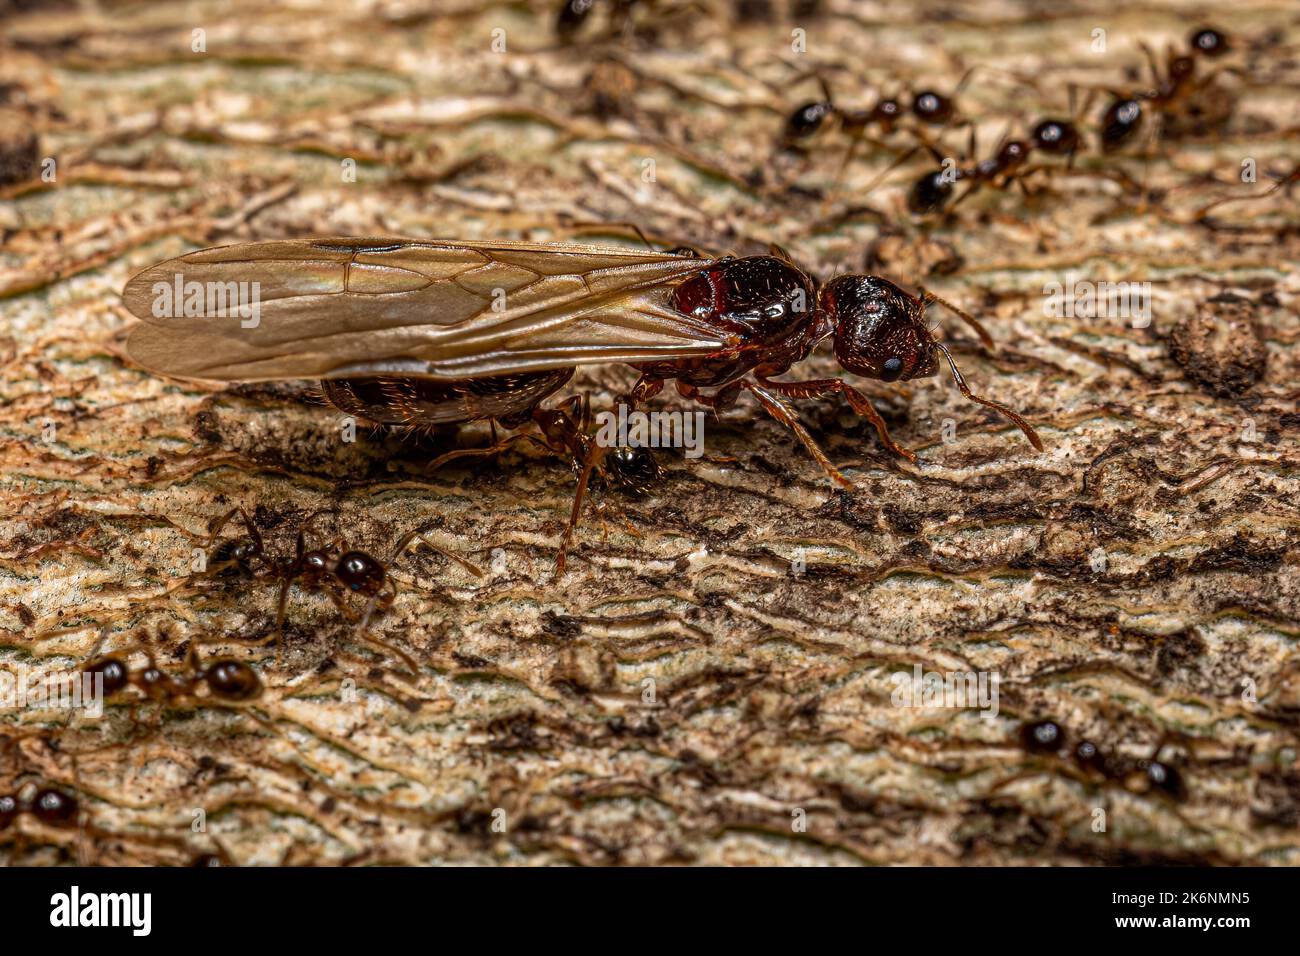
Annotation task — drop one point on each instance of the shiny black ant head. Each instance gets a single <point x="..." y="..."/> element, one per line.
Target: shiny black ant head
<point x="1209" y="42"/>
<point x="360" y="573"/>
<point x="932" y="191"/>
<point x="880" y="330"/>
<point x="807" y="120"/>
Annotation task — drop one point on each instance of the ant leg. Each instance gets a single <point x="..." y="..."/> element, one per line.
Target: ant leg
<point x="564" y="436"/>
<point x="494" y="449"/>
<point x="880" y="177"/>
<point x="281" y="606"/>
<point x="857" y="401"/>
<point x="645" y="389"/>
<point x="362" y="630"/>
<point x="1152" y="63"/>
<point x="410" y="536"/>
<point x="783" y="413"/>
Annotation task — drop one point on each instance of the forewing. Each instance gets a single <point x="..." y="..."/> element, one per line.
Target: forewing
<point x="335" y="308"/>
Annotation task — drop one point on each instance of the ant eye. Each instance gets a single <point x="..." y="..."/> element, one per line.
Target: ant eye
<point x="892" y="369"/>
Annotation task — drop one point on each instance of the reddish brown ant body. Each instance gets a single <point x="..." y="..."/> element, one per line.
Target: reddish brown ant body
<point x="446" y="355"/>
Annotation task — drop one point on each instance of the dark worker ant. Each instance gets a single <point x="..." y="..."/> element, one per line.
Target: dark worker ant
<point x="1177" y="91"/>
<point x="1090" y="763"/>
<point x="928" y="107"/>
<point x="337" y="570"/>
<point x="48" y="804"/>
<point x="226" y="679"/>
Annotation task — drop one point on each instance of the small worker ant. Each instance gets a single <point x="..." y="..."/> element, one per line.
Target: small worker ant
<point x="49" y="805"/>
<point x="932" y="191"/>
<point x="927" y="107"/>
<point x="1177" y="91"/>
<point x="1048" y="738"/>
<point x="46" y="803"/>
<point x="226" y="679"/>
<point x="336" y="569"/>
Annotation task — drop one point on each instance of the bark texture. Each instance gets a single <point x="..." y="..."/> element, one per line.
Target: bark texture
<point x="715" y="688"/>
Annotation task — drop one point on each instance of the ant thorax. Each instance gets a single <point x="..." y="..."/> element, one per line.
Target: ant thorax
<point x="765" y="300"/>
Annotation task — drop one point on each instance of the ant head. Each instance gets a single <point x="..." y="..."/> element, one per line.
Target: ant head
<point x="880" y="333"/>
<point x="880" y="330"/>
<point x="932" y="107"/>
<point x="1012" y="154"/>
<point x="1056" y="137"/>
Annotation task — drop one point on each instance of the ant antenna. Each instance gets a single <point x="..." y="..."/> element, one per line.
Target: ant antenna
<point x="957" y="377"/>
<point x="927" y="297"/>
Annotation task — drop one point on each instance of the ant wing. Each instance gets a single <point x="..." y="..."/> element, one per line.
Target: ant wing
<point x="446" y="310"/>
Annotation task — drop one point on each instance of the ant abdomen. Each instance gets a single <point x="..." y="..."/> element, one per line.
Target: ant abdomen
<point x="934" y="108"/>
<point x="232" y="680"/>
<point x="807" y="120"/>
<point x="931" y="192"/>
<point x="8" y="810"/>
<point x="1056" y="137"/>
<point x="633" y="469"/>
<point x="54" y="807"/>
<point x="1120" y="124"/>
<point x="115" y="673"/>
<point x="360" y="573"/>
<point x="1209" y="42"/>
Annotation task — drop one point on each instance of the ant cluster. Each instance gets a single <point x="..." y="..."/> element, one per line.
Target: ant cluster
<point x="1180" y="101"/>
<point x="1047" y="738"/>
